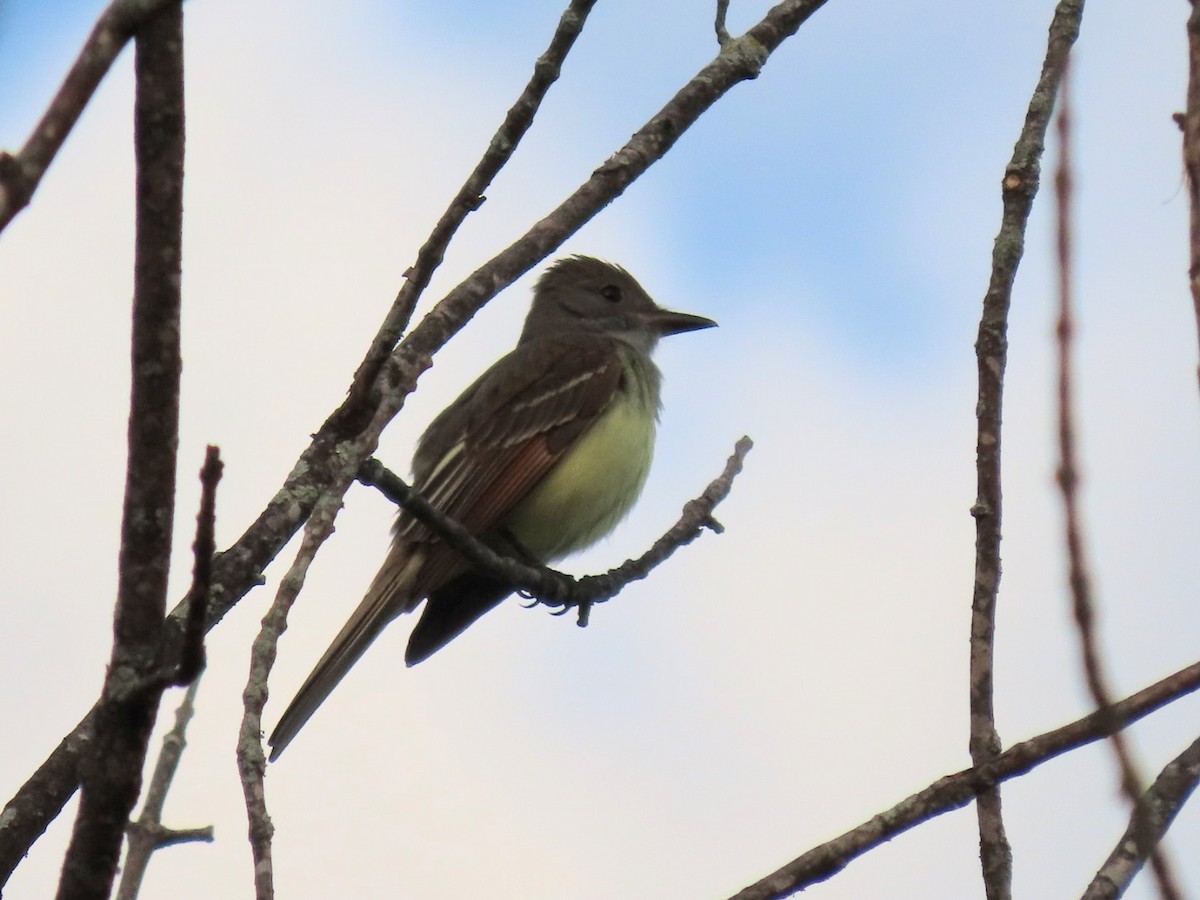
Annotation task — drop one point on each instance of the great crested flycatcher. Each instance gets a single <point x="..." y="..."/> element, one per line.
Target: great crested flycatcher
<point x="542" y="456"/>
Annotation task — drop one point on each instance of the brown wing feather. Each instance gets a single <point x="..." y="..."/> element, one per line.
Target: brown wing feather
<point x="515" y="424"/>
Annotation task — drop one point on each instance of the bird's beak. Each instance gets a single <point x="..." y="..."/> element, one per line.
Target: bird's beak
<point x="666" y="321"/>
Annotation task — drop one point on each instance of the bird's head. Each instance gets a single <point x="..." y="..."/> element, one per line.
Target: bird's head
<point x="581" y="293"/>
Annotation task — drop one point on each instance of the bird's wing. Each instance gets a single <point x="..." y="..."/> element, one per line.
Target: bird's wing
<point x="511" y="428"/>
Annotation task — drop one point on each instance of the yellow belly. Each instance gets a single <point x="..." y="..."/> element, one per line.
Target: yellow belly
<point x="593" y="486"/>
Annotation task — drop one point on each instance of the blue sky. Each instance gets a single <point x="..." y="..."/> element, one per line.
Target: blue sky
<point x="795" y="675"/>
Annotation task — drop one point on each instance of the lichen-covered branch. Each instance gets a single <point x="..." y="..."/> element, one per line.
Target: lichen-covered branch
<point x="252" y="762"/>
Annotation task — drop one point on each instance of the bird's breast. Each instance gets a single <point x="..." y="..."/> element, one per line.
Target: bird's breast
<point x="594" y="485"/>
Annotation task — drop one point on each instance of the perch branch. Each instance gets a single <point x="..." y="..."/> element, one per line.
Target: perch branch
<point x="548" y="586"/>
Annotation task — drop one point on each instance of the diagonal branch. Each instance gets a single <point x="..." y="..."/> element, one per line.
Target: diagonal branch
<point x="111" y="771"/>
<point x="468" y="199"/>
<point x="21" y="173"/>
<point x="957" y="790"/>
<point x="1019" y="188"/>
<point x="548" y="585"/>
<point x="1155" y="812"/>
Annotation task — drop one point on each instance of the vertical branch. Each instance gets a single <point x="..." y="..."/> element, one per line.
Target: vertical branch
<point x="111" y="771"/>
<point x="1191" y="155"/>
<point x="1068" y="481"/>
<point x="252" y="762"/>
<point x="1019" y="188"/>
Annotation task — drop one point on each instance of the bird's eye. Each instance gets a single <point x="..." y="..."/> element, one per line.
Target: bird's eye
<point x="611" y="293"/>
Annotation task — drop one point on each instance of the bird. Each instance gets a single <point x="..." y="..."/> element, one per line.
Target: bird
<point x="542" y="456"/>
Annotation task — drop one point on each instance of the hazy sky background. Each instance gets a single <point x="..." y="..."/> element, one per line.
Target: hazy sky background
<point x="765" y="690"/>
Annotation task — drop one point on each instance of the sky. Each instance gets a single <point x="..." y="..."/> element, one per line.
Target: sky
<point x="766" y="689"/>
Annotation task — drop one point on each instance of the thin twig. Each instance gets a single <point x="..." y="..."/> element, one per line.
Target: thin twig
<point x="342" y="443"/>
<point x="719" y="25"/>
<point x="1191" y="157"/>
<point x="191" y="656"/>
<point x="548" y="585"/>
<point x="468" y="199"/>
<point x="252" y="762"/>
<point x="111" y="772"/>
<point x="957" y="790"/>
<point x="1083" y="606"/>
<point x="147" y="834"/>
<point x="20" y="173"/>
<point x="1019" y="188"/>
<point x="1155" y="812"/>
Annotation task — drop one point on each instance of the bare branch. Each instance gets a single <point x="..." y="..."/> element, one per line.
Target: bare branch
<point x="1068" y="480"/>
<point x="957" y="790"/>
<point x="1190" y="122"/>
<point x="21" y="173"/>
<point x="548" y="585"/>
<point x="1154" y="814"/>
<point x="252" y="762"/>
<point x="111" y="771"/>
<point x="147" y="834"/>
<point x="468" y="199"/>
<point x="1019" y="188"/>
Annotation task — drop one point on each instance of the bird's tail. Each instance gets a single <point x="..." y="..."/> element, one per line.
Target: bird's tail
<point x="389" y="595"/>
